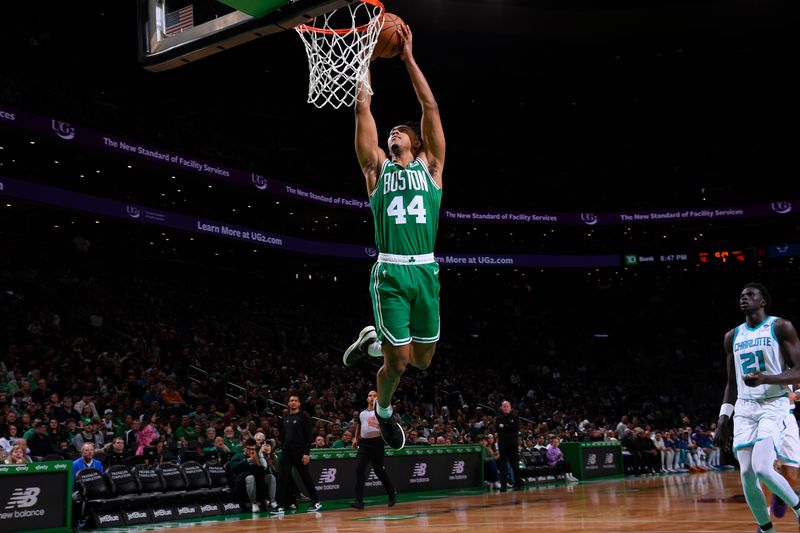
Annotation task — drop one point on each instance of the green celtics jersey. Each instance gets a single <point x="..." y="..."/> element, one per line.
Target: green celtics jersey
<point x="405" y="205"/>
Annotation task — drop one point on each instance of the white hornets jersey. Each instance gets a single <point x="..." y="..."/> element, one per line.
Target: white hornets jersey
<point x="757" y="349"/>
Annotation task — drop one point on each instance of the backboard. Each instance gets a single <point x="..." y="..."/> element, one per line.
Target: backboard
<point x="173" y="33"/>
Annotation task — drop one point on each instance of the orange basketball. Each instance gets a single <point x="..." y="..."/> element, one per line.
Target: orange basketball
<point x="389" y="43"/>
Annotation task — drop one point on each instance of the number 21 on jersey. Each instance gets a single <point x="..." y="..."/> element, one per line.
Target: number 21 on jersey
<point x="749" y="362"/>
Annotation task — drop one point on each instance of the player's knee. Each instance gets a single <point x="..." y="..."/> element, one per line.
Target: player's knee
<point x="422" y="364"/>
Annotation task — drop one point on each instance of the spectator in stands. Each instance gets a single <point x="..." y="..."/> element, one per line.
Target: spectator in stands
<point x="490" y="457"/>
<point x="186" y="432"/>
<point x="40" y="443"/>
<point x="132" y="436"/>
<point x="171" y="398"/>
<point x="56" y="432"/>
<point x="64" y="410"/>
<point x="107" y="425"/>
<point x="116" y="454"/>
<point x="249" y="475"/>
<point x="85" y="417"/>
<point x="9" y="439"/>
<point x="148" y="435"/>
<point x="270" y="463"/>
<point x="17" y="455"/>
<point x="319" y="442"/>
<point x="89" y="434"/>
<point x="555" y="458"/>
<point x="345" y="442"/>
<point x="231" y="441"/>
<point x="87" y="399"/>
<point x="159" y="453"/>
<point x="86" y="460"/>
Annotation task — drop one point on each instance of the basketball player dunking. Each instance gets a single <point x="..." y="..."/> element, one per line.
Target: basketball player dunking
<point x="405" y="192"/>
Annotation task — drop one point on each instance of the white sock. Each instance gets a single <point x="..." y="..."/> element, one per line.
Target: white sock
<point x="383" y="412"/>
<point x="374" y="349"/>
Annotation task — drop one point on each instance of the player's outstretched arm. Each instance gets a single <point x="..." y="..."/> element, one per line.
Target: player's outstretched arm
<point x="432" y="131"/>
<point x="369" y="153"/>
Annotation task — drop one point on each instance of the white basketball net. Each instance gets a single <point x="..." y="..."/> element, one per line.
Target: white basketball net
<point x="339" y="55"/>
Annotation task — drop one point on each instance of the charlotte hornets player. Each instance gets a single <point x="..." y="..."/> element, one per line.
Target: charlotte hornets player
<point x="756" y="353"/>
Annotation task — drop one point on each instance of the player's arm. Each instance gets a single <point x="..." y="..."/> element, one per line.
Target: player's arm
<point x="728" y="397"/>
<point x="369" y="153"/>
<point x="432" y="131"/>
<point x="790" y="349"/>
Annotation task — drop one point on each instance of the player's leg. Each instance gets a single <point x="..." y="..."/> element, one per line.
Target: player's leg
<point x="771" y="420"/>
<point x="424" y="326"/>
<point x="789" y="461"/>
<point x="392" y="310"/>
<point x="752" y="489"/>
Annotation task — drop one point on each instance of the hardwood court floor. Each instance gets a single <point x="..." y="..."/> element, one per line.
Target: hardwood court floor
<point x="680" y="503"/>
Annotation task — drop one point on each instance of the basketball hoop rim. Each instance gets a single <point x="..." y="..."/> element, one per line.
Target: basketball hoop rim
<point x="343" y="31"/>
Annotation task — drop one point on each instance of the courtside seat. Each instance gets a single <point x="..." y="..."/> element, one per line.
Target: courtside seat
<point x="149" y="480"/>
<point x="220" y="479"/>
<point x="96" y="503"/>
<point x="124" y="485"/>
<point x="198" y="486"/>
<point x="174" y="481"/>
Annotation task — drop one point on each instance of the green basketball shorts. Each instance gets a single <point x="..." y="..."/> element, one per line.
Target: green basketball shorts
<point x="405" y="301"/>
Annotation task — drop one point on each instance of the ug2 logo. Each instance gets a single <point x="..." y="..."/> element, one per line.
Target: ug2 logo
<point x="259" y="181"/>
<point x="63" y="129"/>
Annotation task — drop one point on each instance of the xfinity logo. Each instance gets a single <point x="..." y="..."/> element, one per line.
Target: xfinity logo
<point x="328" y="475"/>
<point x="458" y="467"/>
<point x="589" y="218"/>
<point x="259" y="181"/>
<point x="63" y="129"/>
<point x="22" y="498"/>
<point x="133" y="211"/>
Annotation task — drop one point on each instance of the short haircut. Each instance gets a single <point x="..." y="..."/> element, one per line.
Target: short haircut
<point x="764" y="292"/>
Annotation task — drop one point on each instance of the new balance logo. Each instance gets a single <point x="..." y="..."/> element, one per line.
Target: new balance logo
<point x="458" y="467"/>
<point x="420" y="469"/>
<point x="609" y="459"/>
<point x="328" y="475"/>
<point x="22" y="498"/>
<point x="591" y="459"/>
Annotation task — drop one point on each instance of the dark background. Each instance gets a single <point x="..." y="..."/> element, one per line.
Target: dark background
<point x="547" y="105"/>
